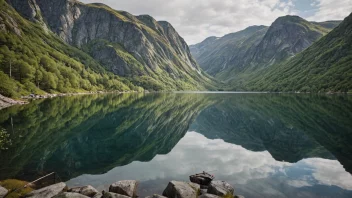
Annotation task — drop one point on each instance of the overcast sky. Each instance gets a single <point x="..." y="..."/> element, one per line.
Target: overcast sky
<point x="196" y="20"/>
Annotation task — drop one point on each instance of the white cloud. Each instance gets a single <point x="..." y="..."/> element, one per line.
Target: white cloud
<point x="331" y="10"/>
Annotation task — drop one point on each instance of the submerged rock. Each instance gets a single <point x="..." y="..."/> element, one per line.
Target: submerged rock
<point x="49" y="191"/>
<point x="177" y="189"/>
<point x="207" y="195"/>
<point x="126" y="187"/>
<point x="113" y="195"/>
<point x="3" y="191"/>
<point x="70" y="195"/>
<point x="156" y="196"/>
<point x="89" y="190"/>
<point x="220" y="188"/>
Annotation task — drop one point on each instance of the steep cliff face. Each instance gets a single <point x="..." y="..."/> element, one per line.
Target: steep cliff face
<point x="216" y="55"/>
<point x="258" y="47"/>
<point x="126" y="45"/>
<point x="286" y="37"/>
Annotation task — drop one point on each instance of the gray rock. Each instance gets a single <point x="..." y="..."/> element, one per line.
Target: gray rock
<point x="207" y="195"/>
<point x="203" y="191"/>
<point x="49" y="191"/>
<point x="113" y="195"/>
<point x="89" y="190"/>
<point x="98" y="195"/>
<point x="125" y="187"/>
<point x="177" y="189"/>
<point x="69" y="195"/>
<point x="156" y="196"/>
<point x="3" y="191"/>
<point x="220" y="188"/>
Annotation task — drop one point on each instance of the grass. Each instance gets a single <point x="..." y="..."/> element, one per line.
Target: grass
<point x="13" y="184"/>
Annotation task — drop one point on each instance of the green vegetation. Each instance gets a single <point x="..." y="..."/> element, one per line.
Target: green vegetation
<point x="15" y="188"/>
<point x="323" y="67"/>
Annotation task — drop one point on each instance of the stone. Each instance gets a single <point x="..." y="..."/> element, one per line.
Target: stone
<point x="98" y="195"/>
<point x="113" y="195"/>
<point x="177" y="189"/>
<point x="156" y="196"/>
<point x="207" y="195"/>
<point x="89" y="190"/>
<point x="125" y="187"/>
<point x="239" y="196"/>
<point x="201" y="178"/>
<point x="3" y="192"/>
<point x="49" y="191"/>
<point x="69" y="195"/>
<point x="220" y="188"/>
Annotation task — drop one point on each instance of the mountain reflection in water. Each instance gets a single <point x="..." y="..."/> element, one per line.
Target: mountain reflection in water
<point x="264" y="144"/>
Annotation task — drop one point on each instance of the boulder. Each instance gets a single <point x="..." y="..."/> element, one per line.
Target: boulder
<point x="220" y="188"/>
<point x="207" y="195"/>
<point x="98" y="195"/>
<point x="113" y="195"/>
<point x="89" y="191"/>
<point x="177" y="189"/>
<point x="70" y="195"/>
<point x="49" y="191"/>
<point x="156" y="196"/>
<point x="126" y="187"/>
<point x="3" y="192"/>
<point x="202" y="178"/>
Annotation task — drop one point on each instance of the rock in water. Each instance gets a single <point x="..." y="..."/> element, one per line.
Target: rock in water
<point x="220" y="188"/>
<point x="70" y="195"/>
<point x="113" y="195"/>
<point x="49" y="191"/>
<point x="176" y="189"/>
<point x="126" y="187"/>
<point x="3" y="191"/>
<point x="89" y="190"/>
<point x="207" y="195"/>
<point x="156" y="196"/>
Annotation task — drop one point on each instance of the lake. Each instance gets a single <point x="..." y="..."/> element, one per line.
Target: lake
<point x="265" y="145"/>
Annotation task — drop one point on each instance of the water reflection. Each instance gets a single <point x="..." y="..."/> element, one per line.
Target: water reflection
<point x="264" y="144"/>
<point x="255" y="174"/>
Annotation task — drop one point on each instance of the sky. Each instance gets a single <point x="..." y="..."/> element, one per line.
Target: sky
<point x="196" y="20"/>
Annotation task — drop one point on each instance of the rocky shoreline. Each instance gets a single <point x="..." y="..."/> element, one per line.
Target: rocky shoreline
<point x="128" y="189"/>
<point x="7" y="102"/>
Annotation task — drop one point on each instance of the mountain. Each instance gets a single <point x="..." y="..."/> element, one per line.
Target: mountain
<point x="66" y="46"/>
<point x="323" y="67"/>
<point x="258" y="47"/>
<point x="219" y="54"/>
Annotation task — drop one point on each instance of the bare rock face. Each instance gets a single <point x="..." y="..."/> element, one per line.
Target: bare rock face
<point x="70" y="195"/>
<point x="3" y="191"/>
<point x="126" y="187"/>
<point x="49" y="191"/>
<point x="113" y="195"/>
<point x="89" y="191"/>
<point x="177" y="189"/>
<point x="129" y="40"/>
<point x="220" y="188"/>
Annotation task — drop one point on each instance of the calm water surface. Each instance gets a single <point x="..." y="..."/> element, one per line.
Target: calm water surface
<point x="266" y="145"/>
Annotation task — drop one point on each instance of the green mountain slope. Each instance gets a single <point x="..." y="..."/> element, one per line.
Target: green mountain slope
<point x="220" y="54"/>
<point x="232" y="58"/>
<point x="325" y="66"/>
<point x="67" y="46"/>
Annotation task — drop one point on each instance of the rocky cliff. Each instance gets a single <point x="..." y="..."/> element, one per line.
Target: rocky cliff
<point x="150" y="53"/>
<point x="258" y="47"/>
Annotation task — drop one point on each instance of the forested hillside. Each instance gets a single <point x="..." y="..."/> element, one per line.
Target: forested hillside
<point x="42" y="50"/>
